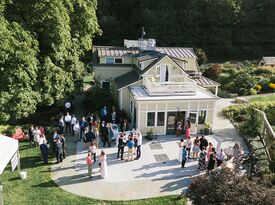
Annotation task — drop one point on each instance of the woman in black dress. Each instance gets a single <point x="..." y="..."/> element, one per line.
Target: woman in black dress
<point x="212" y="161"/>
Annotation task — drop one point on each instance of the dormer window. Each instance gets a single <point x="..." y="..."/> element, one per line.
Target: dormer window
<point x="111" y="60"/>
<point x="164" y="73"/>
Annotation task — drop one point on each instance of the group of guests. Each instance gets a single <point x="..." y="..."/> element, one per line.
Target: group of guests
<point x="133" y="142"/>
<point x="203" y="151"/>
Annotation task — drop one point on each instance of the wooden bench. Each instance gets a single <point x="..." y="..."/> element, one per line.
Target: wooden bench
<point x="19" y="135"/>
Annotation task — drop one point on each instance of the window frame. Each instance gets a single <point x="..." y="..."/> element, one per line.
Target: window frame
<point x="154" y="119"/>
<point x="157" y="116"/>
<point x="199" y="116"/>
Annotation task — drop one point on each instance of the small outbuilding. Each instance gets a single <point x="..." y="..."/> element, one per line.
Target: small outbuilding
<point x="267" y="62"/>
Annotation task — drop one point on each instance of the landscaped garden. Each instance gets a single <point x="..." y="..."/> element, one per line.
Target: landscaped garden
<point x="249" y="122"/>
<point x="241" y="78"/>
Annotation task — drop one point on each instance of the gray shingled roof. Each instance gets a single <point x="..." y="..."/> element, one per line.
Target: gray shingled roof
<point x="127" y="79"/>
<point x="176" y="52"/>
<point x="269" y="60"/>
<point x="203" y="81"/>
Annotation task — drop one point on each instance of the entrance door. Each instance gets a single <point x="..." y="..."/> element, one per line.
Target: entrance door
<point x="171" y="120"/>
<point x="193" y="119"/>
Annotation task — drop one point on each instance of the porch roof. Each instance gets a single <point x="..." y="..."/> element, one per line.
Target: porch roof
<point x="206" y="82"/>
<point x="140" y="94"/>
<point x="127" y="79"/>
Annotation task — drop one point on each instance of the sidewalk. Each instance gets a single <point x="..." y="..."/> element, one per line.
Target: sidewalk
<point x="157" y="173"/>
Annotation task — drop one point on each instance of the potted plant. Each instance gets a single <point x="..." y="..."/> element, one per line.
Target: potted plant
<point x="150" y="134"/>
<point x="207" y="128"/>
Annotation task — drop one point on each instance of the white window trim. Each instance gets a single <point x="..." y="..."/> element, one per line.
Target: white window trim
<point x="147" y="120"/>
<point x="105" y="81"/>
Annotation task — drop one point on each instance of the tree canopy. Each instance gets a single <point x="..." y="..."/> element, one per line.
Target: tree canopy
<point x="223" y="28"/>
<point x="43" y="47"/>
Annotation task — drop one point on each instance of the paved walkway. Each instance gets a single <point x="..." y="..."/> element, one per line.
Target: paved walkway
<point x="139" y="179"/>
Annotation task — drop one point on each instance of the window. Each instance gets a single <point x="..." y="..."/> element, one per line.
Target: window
<point x="202" y="116"/>
<point x="118" y="60"/>
<point x="110" y="60"/>
<point x="150" y="119"/>
<point x="160" y="119"/>
<point x="106" y="85"/>
<point x="164" y="73"/>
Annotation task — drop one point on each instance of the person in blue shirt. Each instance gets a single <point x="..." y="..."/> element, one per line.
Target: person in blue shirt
<point x="104" y="112"/>
<point x="184" y="156"/>
<point x="130" y="145"/>
<point x="83" y="125"/>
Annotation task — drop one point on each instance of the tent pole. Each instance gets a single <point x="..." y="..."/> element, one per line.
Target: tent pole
<point x="18" y="166"/>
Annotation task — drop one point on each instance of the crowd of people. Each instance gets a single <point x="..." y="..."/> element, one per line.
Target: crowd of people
<point x="204" y="152"/>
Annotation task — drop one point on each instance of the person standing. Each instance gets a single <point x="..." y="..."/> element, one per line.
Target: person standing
<point x="184" y="157"/>
<point x="113" y="115"/>
<point x="212" y="161"/>
<point x="139" y="143"/>
<point x="63" y="141"/>
<point x="121" y="144"/>
<point x="220" y="157"/>
<point x="130" y="145"/>
<point x="105" y="135"/>
<point x="83" y="125"/>
<point x="179" y="128"/>
<point x="76" y="131"/>
<point x="44" y="151"/>
<point x="92" y="149"/>
<point x="37" y="134"/>
<point x="54" y="140"/>
<point x="73" y="122"/>
<point x="188" y="146"/>
<point x="96" y="136"/>
<point x="187" y="127"/>
<point x="209" y="150"/>
<point x="89" y="163"/>
<point x="61" y="125"/>
<point x="180" y="151"/>
<point x="104" y="112"/>
<point x="196" y="147"/>
<point x="58" y="151"/>
<point x="68" y="119"/>
<point x="203" y="143"/>
<point x="202" y="160"/>
<point x="103" y="165"/>
<point x="31" y="135"/>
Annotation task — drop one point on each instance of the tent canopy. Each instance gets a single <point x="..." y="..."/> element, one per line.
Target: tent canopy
<point x="8" y="147"/>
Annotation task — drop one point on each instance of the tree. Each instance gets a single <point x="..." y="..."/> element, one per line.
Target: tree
<point x="251" y="127"/>
<point x="243" y="82"/>
<point x="202" y="57"/>
<point x="225" y="187"/>
<point x="213" y="71"/>
<point x="18" y="72"/>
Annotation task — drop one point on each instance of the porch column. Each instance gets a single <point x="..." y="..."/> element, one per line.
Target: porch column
<point x="216" y="90"/>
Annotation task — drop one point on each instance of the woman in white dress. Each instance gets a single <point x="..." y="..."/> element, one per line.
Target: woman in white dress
<point x="36" y="134"/>
<point x="180" y="151"/>
<point x="96" y="136"/>
<point x="103" y="165"/>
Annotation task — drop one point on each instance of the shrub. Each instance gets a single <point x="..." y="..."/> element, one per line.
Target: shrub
<point x="253" y="91"/>
<point x="225" y="187"/>
<point x="252" y="126"/>
<point x="265" y="85"/>
<point x="263" y="71"/>
<point x="223" y="93"/>
<point x="258" y="87"/>
<point x="213" y="71"/>
<point x="272" y="86"/>
<point x="224" y="78"/>
<point x="229" y="86"/>
<point x="243" y="82"/>
<point x="272" y="79"/>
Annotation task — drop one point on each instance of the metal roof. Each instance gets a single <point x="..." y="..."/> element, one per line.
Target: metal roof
<point x="203" y="81"/>
<point x="269" y="60"/>
<point x="114" y="51"/>
<point x="127" y="79"/>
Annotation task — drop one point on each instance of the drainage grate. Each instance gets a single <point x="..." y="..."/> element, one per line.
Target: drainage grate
<point x="155" y="146"/>
<point x="161" y="157"/>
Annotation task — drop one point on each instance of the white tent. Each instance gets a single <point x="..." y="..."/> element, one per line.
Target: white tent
<point x="8" y="147"/>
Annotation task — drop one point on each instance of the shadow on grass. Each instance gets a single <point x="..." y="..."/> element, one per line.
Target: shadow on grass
<point x="46" y="184"/>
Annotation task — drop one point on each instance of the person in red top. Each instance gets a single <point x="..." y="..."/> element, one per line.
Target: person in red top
<point x="89" y="162"/>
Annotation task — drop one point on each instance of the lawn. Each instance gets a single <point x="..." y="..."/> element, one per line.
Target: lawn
<point x="263" y="98"/>
<point x="87" y="80"/>
<point x="38" y="188"/>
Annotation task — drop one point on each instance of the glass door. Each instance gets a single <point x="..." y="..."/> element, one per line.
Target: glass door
<point x="193" y="117"/>
<point x="171" y="123"/>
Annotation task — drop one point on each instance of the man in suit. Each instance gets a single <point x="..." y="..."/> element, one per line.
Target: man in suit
<point x="58" y="151"/>
<point x="121" y="144"/>
<point x="83" y="125"/>
<point x="44" y="151"/>
<point x="105" y="135"/>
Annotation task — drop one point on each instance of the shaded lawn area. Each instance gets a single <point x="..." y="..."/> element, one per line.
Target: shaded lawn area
<point x="263" y="98"/>
<point x="38" y="188"/>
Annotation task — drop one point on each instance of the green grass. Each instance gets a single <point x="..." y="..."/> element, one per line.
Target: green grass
<point x="38" y="188"/>
<point x="87" y="81"/>
<point x="263" y="98"/>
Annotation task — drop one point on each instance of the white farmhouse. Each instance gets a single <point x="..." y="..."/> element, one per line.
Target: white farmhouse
<point x="156" y="85"/>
